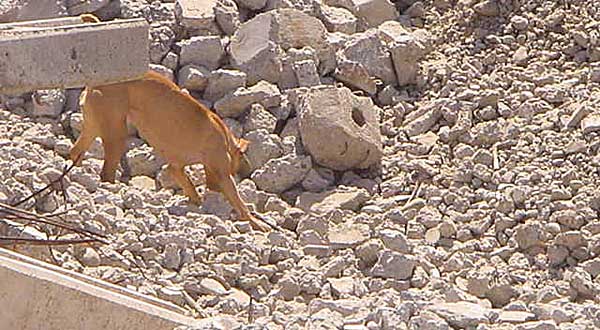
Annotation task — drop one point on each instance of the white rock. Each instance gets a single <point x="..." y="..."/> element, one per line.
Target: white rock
<point x="280" y="174"/>
<point x="258" y="117"/>
<point x="193" y="77"/>
<point x="461" y="314"/>
<point x="590" y="123"/>
<point x="394" y="265"/>
<point x="143" y="161"/>
<point x="197" y="16"/>
<point x="205" y="51"/>
<point x="337" y="19"/>
<point x="236" y="102"/>
<point x="342" y="198"/>
<point x="48" y="103"/>
<point x="368" y="49"/>
<point x="348" y="235"/>
<point x="406" y="52"/>
<point x="340" y="130"/>
<point x="227" y="16"/>
<point x="263" y="147"/>
<point x="257" y="45"/>
<point x="223" y="81"/>
<point x="252" y="4"/>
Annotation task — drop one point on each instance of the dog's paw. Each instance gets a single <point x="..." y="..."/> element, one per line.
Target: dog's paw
<point x="259" y="225"/>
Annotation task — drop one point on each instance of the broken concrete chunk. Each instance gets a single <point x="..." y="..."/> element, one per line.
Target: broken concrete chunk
<point x="369" y="50"/>
<point x="590" y="123"/>
<point x="337" y="19"/>
<point x="235" y="103"/>
<point x="355" y="75"/>
<point x="281" y="174"/>
<point x="205" y="51"/>
<point x="257" y="45"/>
<point x="339" y="129"/>
<point x="348" y="235"/>
<point x="193" y="77"/>
<point x="306" y="73"/>
<point x="223" y="81"/>
<point x="394" y="265"/>
<point x="342" y="198"/>
<point x="197" y="16"/>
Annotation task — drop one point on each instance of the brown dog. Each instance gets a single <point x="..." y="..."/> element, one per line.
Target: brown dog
<point x="180" y="129"/>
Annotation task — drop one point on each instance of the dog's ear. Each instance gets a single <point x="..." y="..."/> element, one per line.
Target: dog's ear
<point x="243" y="145"/>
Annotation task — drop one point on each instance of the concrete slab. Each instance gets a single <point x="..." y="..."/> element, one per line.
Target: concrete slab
<point x="71" y="56"/>
<point x="44" y="296"/>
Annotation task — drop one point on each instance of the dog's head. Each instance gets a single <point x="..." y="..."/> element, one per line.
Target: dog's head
<point x="241" y="164"/>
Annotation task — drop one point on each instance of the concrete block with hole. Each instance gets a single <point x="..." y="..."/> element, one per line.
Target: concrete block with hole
<point x="66" y="53"/>
<point x="339" y="129"/>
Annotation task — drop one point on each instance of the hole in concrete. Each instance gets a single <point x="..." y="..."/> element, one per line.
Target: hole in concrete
<point x="73" y="54"/>
<point x="358" y="117"/>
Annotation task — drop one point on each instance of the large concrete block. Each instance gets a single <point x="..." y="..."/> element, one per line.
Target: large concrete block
<point x="43" y="56"/>
<point x="44" y="296"/>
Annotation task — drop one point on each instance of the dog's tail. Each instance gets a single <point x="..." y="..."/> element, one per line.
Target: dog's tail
<point x="89" y="18"/>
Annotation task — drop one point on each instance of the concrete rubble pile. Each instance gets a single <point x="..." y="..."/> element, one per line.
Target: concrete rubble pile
<point x="435" y="164"/>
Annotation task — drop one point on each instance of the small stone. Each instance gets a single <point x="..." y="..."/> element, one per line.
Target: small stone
<point x="143" y="182"/>
<point x="393" y="265"/>
<point x="570" y="239"/>
<point x="280" y="174"/>
<point x="172" y="294"/>
<point x="343" y="286"/>
<point x="394" y="240"/>
<point x="537" y="325"/>
<point x="342" y="198"/>
<point x="317" y="250"/>
<point x="338" y="19"/>
<point x="519" y="22"/>
<point x="48" y="103"/>
<point x="528" y="235"/>
<point x="521" y="55"/>
<point x="487" y="8"/>
<point x="461" y="314"/>
<point x="212" y="287"/>
<point x="90" y="257"/>
<point x="590" y="123"/>
<point x="235" y="103"/>
<point x="348" y="235"/>
<point x="306" y="73"/>
<point x="193" y="77"/>
<point x="171" y="258"/>
<point x="203" y="51"/>
<point x="223" y="81"/>
<point x="515" y="317"/>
